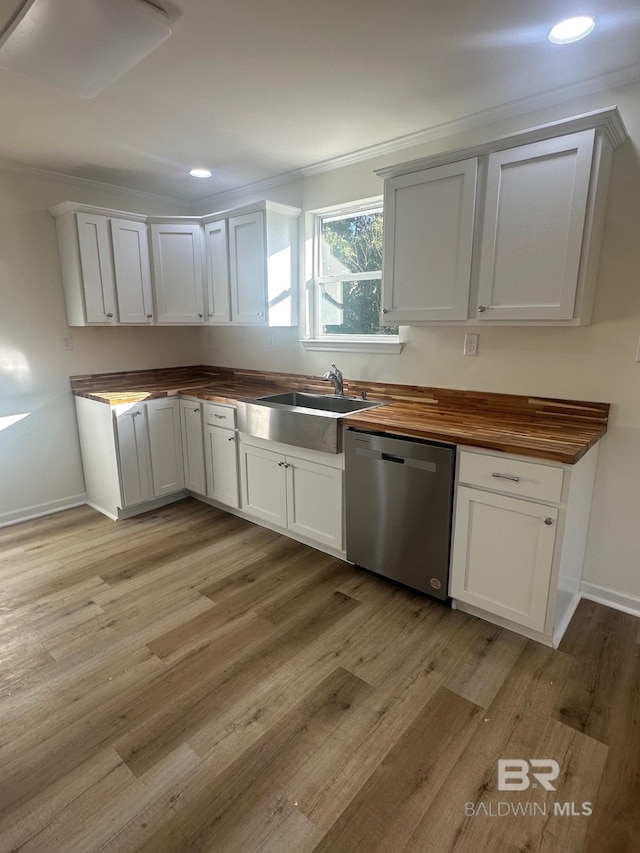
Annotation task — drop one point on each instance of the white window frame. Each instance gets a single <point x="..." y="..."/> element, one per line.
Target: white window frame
<point x="314" y="339"/>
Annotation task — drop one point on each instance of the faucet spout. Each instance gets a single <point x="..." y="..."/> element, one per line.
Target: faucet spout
<point x="335" y="375"/>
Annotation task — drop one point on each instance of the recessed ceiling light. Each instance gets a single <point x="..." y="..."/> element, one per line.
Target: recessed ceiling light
<point x="573" y="29"/>
<point x="200" y="173"/>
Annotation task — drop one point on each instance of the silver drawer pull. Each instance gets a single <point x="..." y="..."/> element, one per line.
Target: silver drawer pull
<point x="511" y="477"/>
<point x="222" y="417"/>
<point x="231" y="439"/>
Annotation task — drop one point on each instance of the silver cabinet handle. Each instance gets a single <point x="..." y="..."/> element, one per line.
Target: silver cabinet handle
<point x="482" y="309"/>
<point x="511" y="477"/>
<point x="210" y="314"/>
<point x="548" y="521"/>
<point x="385" y="310"/>
<point x="280" y="464"/>
<point x="149" y="316"/>
<point x="133" y="414"/>
<point x="260" y="313"/>
<point x="286" y="465"/>
<point x="231" y="438"/>
<point x="196" y="409"/>
<point x="110" y="315"/>
<point x="224" y="417"/>
<point x="201" y="316"/>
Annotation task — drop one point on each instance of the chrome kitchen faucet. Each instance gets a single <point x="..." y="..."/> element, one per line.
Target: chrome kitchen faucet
<point x="335" y="375"/>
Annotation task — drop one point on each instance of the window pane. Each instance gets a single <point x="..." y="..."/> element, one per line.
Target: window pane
<point x="351" y="244"/>
<point x="352" y="308"/>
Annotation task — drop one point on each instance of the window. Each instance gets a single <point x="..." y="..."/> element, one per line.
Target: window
<point x="348" y="276"/>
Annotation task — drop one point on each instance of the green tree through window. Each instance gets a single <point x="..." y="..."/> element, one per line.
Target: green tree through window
<point x="350" y="274"/>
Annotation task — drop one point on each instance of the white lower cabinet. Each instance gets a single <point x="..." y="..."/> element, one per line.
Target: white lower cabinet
<point x="221" y="454"/>
<point x="165" y="442"/>
<point x="149" y="450"/>
<point x="293" y="491"/>
<point x="503" y="555"/>
<point x="134" y="454"/>
<point x="131" y="454"/>
<point x="518" y="540"/>
<point x="193" y="446"/>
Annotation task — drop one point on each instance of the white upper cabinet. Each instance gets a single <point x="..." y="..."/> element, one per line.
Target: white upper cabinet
<point x="428" y="225"/>
<point x="87" y="268"/>
<point x="97" y="268"/>
<point x="247" y="267"/>
<point x="252" y="266"/>
<point x="506" y="232"/>
<point x="534" y="215"/>
<point x="236" y="267"/>
<point x="217" y="261"/>
<point x="132" y="271"/>
<point x="178" y="272"/>
<point x="105" y="266"/>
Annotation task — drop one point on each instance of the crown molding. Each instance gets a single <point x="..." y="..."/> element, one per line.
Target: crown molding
<point x="608" y="120"/>
<point x="484" y="118"/>
<point x="617" y="78"/>
<point x="88" y="183"/>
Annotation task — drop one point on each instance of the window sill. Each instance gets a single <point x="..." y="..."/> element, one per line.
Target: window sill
<point x="354" y="345"/>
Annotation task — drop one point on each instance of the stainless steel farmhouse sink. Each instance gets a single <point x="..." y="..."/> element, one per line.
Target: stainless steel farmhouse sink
<point x="299" y="418"/>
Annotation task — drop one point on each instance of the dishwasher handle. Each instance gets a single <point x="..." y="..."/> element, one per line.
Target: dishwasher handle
<point x="408" y="461"/>
<point x="387" y="457"/>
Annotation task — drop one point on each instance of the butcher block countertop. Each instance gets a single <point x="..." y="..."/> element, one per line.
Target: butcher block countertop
<point x="556" y="430"/>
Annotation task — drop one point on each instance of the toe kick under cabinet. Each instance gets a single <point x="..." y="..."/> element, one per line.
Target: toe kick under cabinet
<point x="519" y="539"/>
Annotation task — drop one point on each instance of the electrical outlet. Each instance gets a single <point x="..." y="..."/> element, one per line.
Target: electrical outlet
<point x="66" y="342"/>
<point x="471" y="343"/>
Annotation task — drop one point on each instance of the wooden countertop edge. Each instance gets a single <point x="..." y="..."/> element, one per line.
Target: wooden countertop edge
<point x="390" y="418"/>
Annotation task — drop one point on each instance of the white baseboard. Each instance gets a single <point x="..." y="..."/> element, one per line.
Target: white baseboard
<point x="618" y="600"/>
<point x="26" y="513"/>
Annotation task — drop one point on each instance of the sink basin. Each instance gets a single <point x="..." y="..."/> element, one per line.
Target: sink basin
<point x="299" y="418"/>
<point x="322" y="402"/>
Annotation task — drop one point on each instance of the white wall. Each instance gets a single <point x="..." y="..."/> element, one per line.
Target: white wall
<point x="39" y="454"/>
<point x="589" y="363"/>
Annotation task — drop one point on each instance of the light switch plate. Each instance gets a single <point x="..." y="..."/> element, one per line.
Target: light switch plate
<point x="66" y="342"/>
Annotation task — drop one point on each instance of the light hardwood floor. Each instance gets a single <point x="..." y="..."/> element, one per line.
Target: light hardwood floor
<point x="186" y="680"/>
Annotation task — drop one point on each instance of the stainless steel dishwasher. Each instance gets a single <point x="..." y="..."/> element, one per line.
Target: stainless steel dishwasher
<point x="399" y="500"/>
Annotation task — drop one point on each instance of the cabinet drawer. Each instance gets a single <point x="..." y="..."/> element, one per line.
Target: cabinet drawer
<point x="503" y="474"/>
<point x="220" y="416"/>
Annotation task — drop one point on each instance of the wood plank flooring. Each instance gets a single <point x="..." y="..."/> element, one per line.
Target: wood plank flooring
<point x="186" y="680"/>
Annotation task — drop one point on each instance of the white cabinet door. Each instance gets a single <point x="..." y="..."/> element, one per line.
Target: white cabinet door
<point x="247" y="269"/>
<point x="428" y="237"/>
<point x="165" y="441"/>
<point x="314" y="501"/>
<point x="217" y="257"/>
<point x="132" y="271"/>
<point x="177" y="273"/>
<point x="264" y="491"/>
<point x="132" y="438"/>
<point x="96" y="268"/>
<point x="193" y="446"/>
<point x="533" y="227"/>
<point x="221" y="455"/>
<point x="502" y="555"/>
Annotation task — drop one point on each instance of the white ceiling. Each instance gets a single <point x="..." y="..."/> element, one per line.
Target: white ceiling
<point x="253" y="89"/>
